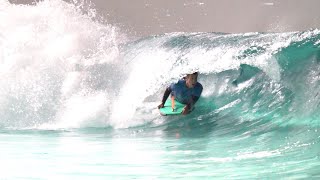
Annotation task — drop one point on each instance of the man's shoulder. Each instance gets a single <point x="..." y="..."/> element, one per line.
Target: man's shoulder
<point x="197" y="90"/>
<point x="178" y="84"/>
<point x="199" y="85"/>
<point x="181" y="81"/>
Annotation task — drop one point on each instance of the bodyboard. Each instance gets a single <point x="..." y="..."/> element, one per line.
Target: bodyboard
<point x="167" y="109"/>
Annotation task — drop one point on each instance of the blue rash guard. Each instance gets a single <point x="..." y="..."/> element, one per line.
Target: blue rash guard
<point x="182" y="93"/>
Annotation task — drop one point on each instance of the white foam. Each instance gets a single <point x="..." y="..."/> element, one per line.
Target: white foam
<point x="49" y="52"/>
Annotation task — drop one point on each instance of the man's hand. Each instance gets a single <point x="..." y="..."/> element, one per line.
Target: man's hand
<point x="186" y="110"/>
<point x="161" y="106"/>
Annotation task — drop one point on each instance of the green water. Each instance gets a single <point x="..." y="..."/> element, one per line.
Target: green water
<point x="291" y="152"/>
<point x="78" y="100"/>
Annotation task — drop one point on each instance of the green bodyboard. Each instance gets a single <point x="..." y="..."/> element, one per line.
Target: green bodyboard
<point x="167" y="109"/>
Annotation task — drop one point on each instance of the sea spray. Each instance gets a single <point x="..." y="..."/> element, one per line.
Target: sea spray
<point x="51" y="53"/>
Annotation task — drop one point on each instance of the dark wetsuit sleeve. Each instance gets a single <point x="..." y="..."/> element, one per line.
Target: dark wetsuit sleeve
<point x="196" y="96"/>
<point x="193" y="101"/>
<point x="166" y="94"/>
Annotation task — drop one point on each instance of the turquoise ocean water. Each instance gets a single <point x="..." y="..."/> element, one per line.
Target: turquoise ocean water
<point x="78" y="100"/>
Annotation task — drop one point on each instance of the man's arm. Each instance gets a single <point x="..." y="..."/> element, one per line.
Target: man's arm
<point x="165" y="97"/>
<point x="191" y="103"/>
<point x="193" y="100"/>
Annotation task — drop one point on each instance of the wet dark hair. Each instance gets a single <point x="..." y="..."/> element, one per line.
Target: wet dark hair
<point x="195" y="73"/>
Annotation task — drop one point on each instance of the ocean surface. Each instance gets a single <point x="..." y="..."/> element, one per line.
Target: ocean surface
<point x="78" y="100"/>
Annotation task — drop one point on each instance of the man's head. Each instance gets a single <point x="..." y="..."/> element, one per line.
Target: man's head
<point x="191" y="79"/>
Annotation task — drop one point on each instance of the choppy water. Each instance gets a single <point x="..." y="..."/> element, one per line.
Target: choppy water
<point x="78" y="100"/>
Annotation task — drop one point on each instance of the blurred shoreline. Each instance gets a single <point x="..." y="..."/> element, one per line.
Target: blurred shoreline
<point x="149" y="17"/>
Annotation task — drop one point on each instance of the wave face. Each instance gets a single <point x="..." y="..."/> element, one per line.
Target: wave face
<point x="57" y="59"/>
<point x="252" y="76"/>
<point x="62" y="68"/>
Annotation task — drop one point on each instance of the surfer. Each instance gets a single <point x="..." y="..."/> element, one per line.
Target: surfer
<point x="186" y="91"/>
